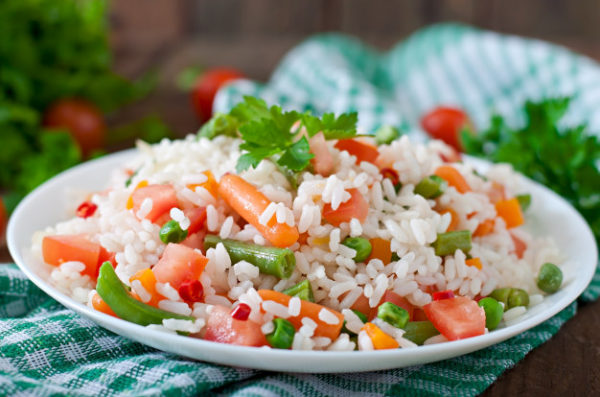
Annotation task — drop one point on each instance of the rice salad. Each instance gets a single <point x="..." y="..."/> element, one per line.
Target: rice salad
<point x="325" y="240"/>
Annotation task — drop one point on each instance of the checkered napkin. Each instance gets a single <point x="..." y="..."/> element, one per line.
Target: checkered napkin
<point x="46" y="349"/>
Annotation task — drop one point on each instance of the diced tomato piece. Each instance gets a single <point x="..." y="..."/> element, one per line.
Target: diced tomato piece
<point x="448" y="294"/>
<point x="419" y="315"/>
<point x="163" y="199"/>
<point x="179" y="263"/>
<point x="195" y="241"/>
<point x="355" y="207"/>
<point x="456" y="318"/>
<point x="223" y="328"/>
<point x="323" y="160"/>
<point x="397" y="300"/>
<point x="65" y="248"/>
<point x="362" y="150"/>
<point x="520" y="246"/>
<point x="105" y="256"/>
<point x="362" y="305"/>
<point x="496" y="192"/>
<point x="197" y="217"/>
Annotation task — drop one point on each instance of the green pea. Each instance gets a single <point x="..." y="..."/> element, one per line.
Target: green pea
<point x="361" y="245"/>
<point x="419" y="331"/>
<point x="386" y="134"/>
<point x="493" y="312"/>
<point x="171" y="232"/>
<point x="501" y="295"/>
<point x="431" y="187"/>
<point x="550" y="278"/>
<point x="282" y="336"/>
<point x="393" y="314"/>
<point x="517" y="297"/>
<point x="524" y="201"/>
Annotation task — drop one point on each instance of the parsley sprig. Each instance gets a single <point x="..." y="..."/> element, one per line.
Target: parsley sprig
<point x="567" y="160"/>
<point x="271" y="133"/>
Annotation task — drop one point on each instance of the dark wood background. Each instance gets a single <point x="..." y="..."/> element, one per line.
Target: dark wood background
<point x="253" y="35"/>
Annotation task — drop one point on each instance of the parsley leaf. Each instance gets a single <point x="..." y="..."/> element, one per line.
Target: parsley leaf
<point x="567" y="160"/>
<point x="342" y="127"/>
<point x="296" y="156"/>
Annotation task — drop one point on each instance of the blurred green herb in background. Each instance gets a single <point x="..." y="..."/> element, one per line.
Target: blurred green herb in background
<point x="567" y="160"/>
<point x="51" y="50"/>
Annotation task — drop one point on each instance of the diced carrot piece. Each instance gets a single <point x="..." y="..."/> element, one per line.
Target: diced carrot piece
<point x="148" y="280"/>
<point x="307" y="309"/>
<point x="356" y="207"/>
<point x="510" y="211"/>
<point x="247" y="201"/>
<point x="211" y="185"/>
<point x="163" y="199"/>
<point x="380" y="339"/>
<point x="323" y="160"/>
<point x="453" y="177"/>
<point x="362" y="150"/>
<point x="453" y="225"/>
<point x="101" y="306"/>
<point x="474" y="262"/>
<point x="484" y="228"/>
<point x="64" y="248"/>
<point x="380" y="250"/>
<point x="143" y="183"/>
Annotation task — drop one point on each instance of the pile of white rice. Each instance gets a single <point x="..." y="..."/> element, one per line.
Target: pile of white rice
<point x="408" y="220"/>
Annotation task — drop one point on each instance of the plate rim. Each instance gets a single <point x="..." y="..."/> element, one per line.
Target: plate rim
<point x="316" y="361"/>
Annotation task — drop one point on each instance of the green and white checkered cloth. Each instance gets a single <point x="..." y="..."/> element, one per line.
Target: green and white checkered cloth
<point x="46" y="349"/>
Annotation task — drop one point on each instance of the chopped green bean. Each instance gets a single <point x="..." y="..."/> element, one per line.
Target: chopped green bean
<point x="393" y="314"/>
<point x="302" y="290"/>
<point x="361" y="245"/>
<point x="447" y="243"/>
<point x="386" y="134"/>
<point x="419" y="331"/>
<point x="171" y="232"/>
<point x="550" y="278"/>
<point x="361" y="315"/>
<point x="279" y="262"/>
<point x="517" y="297"/>
<point x="282" y="336"/>
<point x="524" y="201"/>
<point x="431" y="187"/>
<point x="114" y="293"/>
<point x="493" y="312"/>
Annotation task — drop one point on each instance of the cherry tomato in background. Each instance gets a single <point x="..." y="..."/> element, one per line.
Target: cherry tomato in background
<point x="446" y="123"/>
<point x="3" y="222"/>
<point x="82" y="119"/>
<point x="206" y="86"/>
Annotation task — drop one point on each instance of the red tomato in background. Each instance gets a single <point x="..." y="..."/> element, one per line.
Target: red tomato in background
<point x="445" y="123"/>
<point x="207" y="85"/>
<point x="82" y="119"/>
<point x="456" y="318"/>
<point x="3" y="222"/>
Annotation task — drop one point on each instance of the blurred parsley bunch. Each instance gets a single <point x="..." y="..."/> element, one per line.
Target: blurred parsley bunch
<point x="50" y="50"/>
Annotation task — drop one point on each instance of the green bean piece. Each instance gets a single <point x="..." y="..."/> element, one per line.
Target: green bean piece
<point x="302" y="290"/>
<point x="171" y="232"/>
<point x="395" y="257"/>
<point x="493" y="312"/>
<point x="278" y="262"/>
<point x="550" y="278"/>
<point x="283" y="335"/>
<point x="113" y="292"/>
<point x="386" y="134"/>
<point x="393" y="314"/>
<point x="501" y="295"/>
<point x="447" y="243"/>
<point x="361" y="245"/>
<point x="419" y="331"/>
<point x="517" y="297"/>
<point x="219" y="124"/>
<point x="524" y="201"/>
<point x="361" y="315"/>
<point x="431" y="187"/>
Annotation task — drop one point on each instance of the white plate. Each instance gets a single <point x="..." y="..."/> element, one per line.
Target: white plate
<point x="549" y="215"/>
